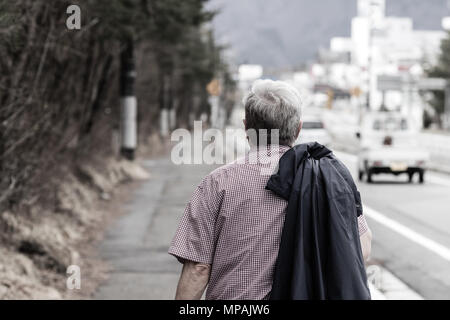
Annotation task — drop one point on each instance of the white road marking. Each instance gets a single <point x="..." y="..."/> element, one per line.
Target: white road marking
<point x="375" y="293"/>
<point x="408" y="233"/>
<point x="384" y="285"/>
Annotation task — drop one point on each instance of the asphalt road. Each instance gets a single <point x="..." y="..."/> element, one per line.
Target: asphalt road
<point x="411" y="228"/>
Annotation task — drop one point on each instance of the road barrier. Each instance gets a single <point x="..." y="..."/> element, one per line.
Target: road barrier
<point x="438" y="145"/>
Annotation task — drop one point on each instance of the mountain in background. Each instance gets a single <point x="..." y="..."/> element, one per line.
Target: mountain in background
<point x="285" y="33"/>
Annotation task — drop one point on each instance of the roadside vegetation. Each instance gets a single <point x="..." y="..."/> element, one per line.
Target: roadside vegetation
<point x="440" y="70"/>
<point x="59" y="117"/>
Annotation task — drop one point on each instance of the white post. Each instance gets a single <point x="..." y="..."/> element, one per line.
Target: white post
<point x="128" y="103"/>
<point x="172" y="118"/>
<point x="164" y="124"/>
<point x="447" y="107"/>
<point x="214" y="102"/>
<point x="128" y="123"/>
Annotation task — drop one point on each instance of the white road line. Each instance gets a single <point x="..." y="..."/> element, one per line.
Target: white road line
<point x="408" y="233"/>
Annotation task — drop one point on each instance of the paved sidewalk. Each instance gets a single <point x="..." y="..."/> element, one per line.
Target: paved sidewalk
<point x="136" y="245"/>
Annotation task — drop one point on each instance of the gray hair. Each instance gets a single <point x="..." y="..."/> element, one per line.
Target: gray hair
<point x="274" y="105"/>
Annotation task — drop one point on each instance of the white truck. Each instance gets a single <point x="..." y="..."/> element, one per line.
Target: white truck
<point x="388" y="144"/>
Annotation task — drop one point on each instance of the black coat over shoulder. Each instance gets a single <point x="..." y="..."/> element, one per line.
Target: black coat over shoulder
<point x="320" y="253"/>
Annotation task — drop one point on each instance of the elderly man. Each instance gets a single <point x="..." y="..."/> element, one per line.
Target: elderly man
<point x="229" y="236"/>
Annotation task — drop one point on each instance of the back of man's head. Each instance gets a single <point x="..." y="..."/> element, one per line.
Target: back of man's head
<point x="273" y="105"/>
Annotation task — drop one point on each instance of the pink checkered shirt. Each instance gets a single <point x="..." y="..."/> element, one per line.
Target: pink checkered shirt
<point x="233" y="223"/>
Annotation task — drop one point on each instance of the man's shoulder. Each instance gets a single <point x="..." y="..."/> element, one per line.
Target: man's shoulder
<point x="222" y="177"/>
<point x="227" y="169"/>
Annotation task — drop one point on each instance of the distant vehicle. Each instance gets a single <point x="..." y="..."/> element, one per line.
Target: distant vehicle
<point x="313" y="130"/>
<point x="388" y="145"/>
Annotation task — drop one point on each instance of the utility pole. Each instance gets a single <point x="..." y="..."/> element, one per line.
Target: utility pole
<point x="375" y="16"/>
<point x="370" y="63"/>
<point x="214" y="90"/>
<point x="128" y="103"/>
<point x="165" y="101"/>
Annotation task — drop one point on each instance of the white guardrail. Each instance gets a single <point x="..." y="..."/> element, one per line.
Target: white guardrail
<point x="438" y="145"/>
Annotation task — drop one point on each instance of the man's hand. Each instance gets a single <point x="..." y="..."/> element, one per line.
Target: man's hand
<point x="193" y="281"/>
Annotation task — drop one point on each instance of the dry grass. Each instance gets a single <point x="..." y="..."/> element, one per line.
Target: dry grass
<point x="41" y="241"/>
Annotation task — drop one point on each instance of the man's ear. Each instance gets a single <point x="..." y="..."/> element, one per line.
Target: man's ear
<point x="245" y="124"/>
<point x="299" y="129"/>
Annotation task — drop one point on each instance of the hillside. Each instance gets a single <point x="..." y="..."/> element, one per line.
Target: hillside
<point x="288" y="32"/>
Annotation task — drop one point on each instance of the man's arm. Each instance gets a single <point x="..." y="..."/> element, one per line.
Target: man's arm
<point x="193" y="280"/>
<point x="366" y="244"/>
<point x="365" y="237"/>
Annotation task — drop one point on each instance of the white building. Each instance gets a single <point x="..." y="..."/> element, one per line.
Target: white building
<point x="382" y="45"/>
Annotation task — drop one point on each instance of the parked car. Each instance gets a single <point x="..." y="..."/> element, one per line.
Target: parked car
<point x="387" y="144"/>
<point x="313" y="130"/>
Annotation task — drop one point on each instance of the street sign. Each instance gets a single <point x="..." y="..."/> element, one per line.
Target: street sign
<point x="396" y="83"/>
<point x="356" y="91"/>
<point x="213" y="88"/>
<point x="386" y="83"/>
